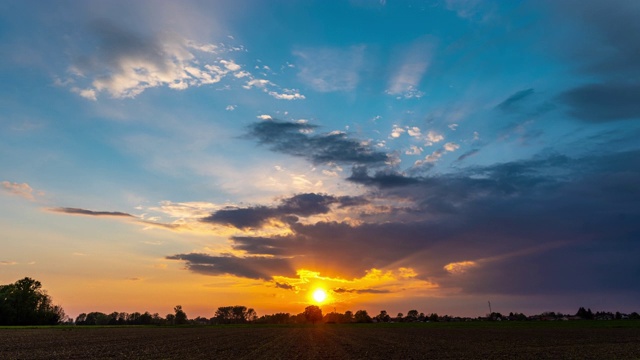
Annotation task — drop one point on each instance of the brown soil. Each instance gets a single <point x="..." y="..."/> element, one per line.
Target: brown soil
<point x="321" y="342"/>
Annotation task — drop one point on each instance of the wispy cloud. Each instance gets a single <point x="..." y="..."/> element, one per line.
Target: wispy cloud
<point x="23" y="190"/>
<point x="408" y="73"/>
<point x="330" y="69"/>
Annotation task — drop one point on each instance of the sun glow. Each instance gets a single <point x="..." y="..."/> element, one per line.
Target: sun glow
<point x="319" y="295"/>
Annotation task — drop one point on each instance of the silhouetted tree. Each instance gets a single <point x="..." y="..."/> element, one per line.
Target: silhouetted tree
<point x="434" y="317"/>
<point x="348" y="316"/>
<point x="362" y="316"/>
<point x="234" y="315"/>
<point x="180" y="316"/>
<point x="383" y="316"/>
<point x="312" y="314"/>
<point x="412" y="315"/>
<point x="26" y="303"/>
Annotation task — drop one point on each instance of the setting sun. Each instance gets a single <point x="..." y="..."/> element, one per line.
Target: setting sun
<point x="319" y="295"/>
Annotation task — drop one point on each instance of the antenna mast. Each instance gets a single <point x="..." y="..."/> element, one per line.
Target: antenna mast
<point x="490" y="311"/>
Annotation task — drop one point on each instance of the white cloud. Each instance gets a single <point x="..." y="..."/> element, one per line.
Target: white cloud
<point x="264" y="117"/>
<point x="125" y="64"/>
<point x="414" y="150"/>
<point x="414" y="131"/>
<point x="287" y="95"/>
<point x="331" y="69"/>
<point x="260" y="83"/>
<point x="397" y="131"/>
<point x="451" y="146"/>
<point x="89" y="94"/>
<point x="208" y="48"/>
<point x="241" y="74"/>
<point x="230" y="65"/>
<point x="433" y="137"/>
<point x="23" y="190"/>
<point x="453" y="127"/>
<point x="230" y="107"/>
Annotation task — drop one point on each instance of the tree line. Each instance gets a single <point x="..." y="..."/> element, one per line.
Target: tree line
<point x="26" y="303"/>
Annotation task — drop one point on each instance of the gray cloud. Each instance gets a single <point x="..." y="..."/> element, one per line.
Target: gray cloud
<point x="298" y="205"/>
<point x="520" y="223"/>
<point x="295" y="139"/>
<point x="608" y="51"/>
<point x="513" y="100"/>
<point x="604" y="102"/>
<point x="77" y="211"/>
<point x="285" y="286"/>
<point x="253" y="267"/>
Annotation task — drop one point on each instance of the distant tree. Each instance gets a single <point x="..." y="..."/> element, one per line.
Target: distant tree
<point x="421" y="317"/>
<point x="434" y="317"/>
<point x="26" y="303"/>
<point x="237" y="314"/>
<point x="634" y="316"/>
<point x="312" y="314"/>
<point x="180" y="316"/>
<point x="170" y="319"/>
<point x="383" y="316"/>
<point x="348" y="316"/>
<point x="362" y="317"/>
<point x="585" y="314"/>
<point x="399" y="317"/>
<point x="412" y="315"/>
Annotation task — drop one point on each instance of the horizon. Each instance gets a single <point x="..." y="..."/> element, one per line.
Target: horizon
<point x="429" y="155"/>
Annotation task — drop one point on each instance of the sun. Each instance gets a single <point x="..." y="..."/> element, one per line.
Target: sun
<point x="319" y="295"/>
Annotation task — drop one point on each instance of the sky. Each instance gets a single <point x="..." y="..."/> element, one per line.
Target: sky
<point x="430" y="155"/>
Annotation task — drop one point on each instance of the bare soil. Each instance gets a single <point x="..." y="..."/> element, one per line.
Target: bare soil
<point x="371" y="341"/>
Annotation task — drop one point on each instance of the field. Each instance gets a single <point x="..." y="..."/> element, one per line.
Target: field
<point x="550" y="340"/>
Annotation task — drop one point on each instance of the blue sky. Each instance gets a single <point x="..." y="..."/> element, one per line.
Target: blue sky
<point x="423" y="154"/>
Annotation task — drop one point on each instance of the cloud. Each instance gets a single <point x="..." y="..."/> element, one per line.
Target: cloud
<point x="609" y="59"/>
<point x="330" y="69"/>
<point x="252" y="267"/>
<point x="604" y="102"/>
<point x="125" y="64"/>
<point x="360" y="291"/>
<point x="19" y="189"/>
<point x="77" y="211"/>
<point x="468" y="154"/>
<point x="408" y="74"/>
<point x="295" y="139"/>
<point x="285" y="286"/>
<point x="468" y="232"/>
<point x="288" y="94"/>
<point x="303" y="205"/>
<point x="7" y="263"/>
<point x="513" y="100"/>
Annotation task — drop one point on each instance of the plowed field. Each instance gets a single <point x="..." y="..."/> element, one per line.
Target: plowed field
<point x="427" y="341"/>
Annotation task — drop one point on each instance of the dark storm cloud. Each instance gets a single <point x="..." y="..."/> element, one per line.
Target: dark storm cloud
<point x="513" y="100"/>
<point x="360" y="291"/>
<point x="382" y="179"/>
<point x="609" y="51"/>
<point x="549" y="225"/>
<point x="252" y="267"/>
<point x="303" y="205"/>
<point x="77" y="211"/>
<point x="296" y="139"/>
<point x="604" y="102"/>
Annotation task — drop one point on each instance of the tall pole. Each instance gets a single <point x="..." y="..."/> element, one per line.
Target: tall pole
<point x="490" y="311"/>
